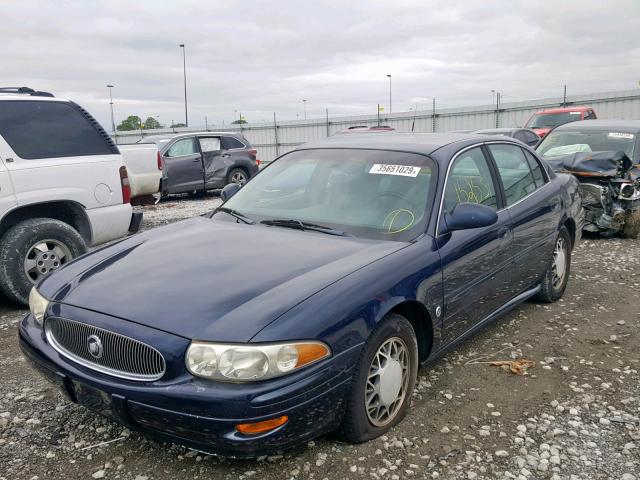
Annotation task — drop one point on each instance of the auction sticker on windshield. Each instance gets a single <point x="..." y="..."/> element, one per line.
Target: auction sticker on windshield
<point x="403" y="170"/>
<point x="628" y="136"/>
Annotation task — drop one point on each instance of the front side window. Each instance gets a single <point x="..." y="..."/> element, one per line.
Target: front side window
<point x="517" y="178"/>
<point x="38" y="129"/>
<point x="185" y="146"/>
<point x="470" y="181"/>
<point x="367" y="193"/>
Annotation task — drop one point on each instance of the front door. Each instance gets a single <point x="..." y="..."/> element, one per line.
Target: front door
<point x="183" y="165"/>
<point x="475" y="262"/>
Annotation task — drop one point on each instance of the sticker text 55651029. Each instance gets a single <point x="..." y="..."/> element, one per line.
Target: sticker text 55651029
<point x="403" y="170"/>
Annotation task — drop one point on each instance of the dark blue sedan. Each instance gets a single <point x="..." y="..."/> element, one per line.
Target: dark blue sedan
<point x="307" y="301"/>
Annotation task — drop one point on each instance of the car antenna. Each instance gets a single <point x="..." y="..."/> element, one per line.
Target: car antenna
<point x="415" y="112"/>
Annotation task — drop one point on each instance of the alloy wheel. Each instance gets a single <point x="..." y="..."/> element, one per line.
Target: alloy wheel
<point x="239" y="177"/>
<point x="387" y="382"/>
<point x="44" y="257"/>
<point x="559" y="266"/>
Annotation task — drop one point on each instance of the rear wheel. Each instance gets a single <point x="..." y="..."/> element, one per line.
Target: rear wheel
<point x="31" y="250"/>
<point x="556" y="277"/>
<point x="239" y="176"/>
<point x="384" y="381"/>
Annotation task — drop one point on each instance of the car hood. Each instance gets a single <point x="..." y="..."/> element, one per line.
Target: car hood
<point x="210" y="279"/>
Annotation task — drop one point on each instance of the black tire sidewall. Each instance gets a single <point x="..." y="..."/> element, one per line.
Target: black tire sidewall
<point x="15" y="244"/>
<point x="356" y="426"/>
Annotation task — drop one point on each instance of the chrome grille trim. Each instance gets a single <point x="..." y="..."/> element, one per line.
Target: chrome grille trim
<point x="123" y="356"/>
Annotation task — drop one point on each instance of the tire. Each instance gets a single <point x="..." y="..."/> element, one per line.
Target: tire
<point x="553" y="287"/>
<point x="357" y="424"/>
<point x="632" y="225"/>
<point x="235" y="176"/>
<point x="18" y="245"/>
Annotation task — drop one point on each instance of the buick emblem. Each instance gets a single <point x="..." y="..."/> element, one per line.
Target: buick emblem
<point x="94" y="345"/>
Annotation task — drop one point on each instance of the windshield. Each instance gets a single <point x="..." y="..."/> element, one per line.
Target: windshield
<point x="552" y="120"/>
<point x="565" y="143"/>
<point x="366" y="193"/>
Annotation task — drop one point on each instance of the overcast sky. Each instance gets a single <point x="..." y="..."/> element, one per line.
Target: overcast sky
<point x="258" y="57"/>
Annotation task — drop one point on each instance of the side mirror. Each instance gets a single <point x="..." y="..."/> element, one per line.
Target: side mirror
<point x="470" y="215"/>
<point x="229" y="191"/>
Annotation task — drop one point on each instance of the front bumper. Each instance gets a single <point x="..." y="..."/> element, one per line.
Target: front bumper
<point x="202" y="414"/>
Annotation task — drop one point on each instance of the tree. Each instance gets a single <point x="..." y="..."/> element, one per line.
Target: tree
<point x="151" y="124"/>
<point x="132" y="122"/>
<point x="238" y="122"/>
<point x="178" y="125"/>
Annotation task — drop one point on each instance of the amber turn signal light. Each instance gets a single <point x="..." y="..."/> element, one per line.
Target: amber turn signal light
<point x="310" y="352"/>
<point x="261" y="427"/>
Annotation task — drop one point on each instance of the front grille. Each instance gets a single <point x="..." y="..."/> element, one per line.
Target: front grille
<point x="104" y="351"/>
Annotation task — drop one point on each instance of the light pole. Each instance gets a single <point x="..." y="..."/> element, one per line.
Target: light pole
<point x="184" y="73"/>
<point x="390" y="105"/>
<point x="304" y="106"/>
<point x="113" y="123"/>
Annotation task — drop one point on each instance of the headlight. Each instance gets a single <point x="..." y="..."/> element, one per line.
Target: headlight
<point x="243" y="363"/>
<point x="38" y="305"/>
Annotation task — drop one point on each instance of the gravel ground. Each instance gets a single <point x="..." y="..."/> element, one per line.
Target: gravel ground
<point x="576" y="415"/>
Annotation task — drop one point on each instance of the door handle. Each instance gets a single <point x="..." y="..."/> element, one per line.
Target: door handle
<point x="197" y="159"/>
<point x="503" y="232"/>
<point x="225" y="155"/>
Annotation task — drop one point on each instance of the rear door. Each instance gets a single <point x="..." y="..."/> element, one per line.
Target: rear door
<point x="535" y="213"/>
<point x="183" y="165"/>
<point x="7" y="196"/>
<point x="213" y="158"/>
<point x="475" y="262"/>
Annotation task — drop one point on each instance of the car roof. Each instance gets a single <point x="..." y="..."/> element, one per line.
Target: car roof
<point x="497" y="131"/>
<point x="29" y="98"/>
<point x="576" y="108"/>
<point x="626" y="126"/>
<point x="423" y="143"/>
<point x="170" y="136"/>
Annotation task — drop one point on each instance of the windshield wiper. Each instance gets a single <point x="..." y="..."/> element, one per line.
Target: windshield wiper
<point x="300" y="225"/>
<point x="235" y="214"/>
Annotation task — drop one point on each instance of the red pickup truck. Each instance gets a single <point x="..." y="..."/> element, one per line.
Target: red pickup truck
<point x="544" y="121"/>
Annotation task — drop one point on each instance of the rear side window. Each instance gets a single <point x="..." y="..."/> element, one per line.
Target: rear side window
<point x="517" y="178"/>
<point x="36" y="129"/>
<point x="536" y="169"/>
<point x="230" y="142"/>
<point x="209" y="144"/>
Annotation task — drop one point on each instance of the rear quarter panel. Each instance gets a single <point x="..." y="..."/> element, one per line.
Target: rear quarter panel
<point x="92" y="181"/>
<point x="141" y="161"/>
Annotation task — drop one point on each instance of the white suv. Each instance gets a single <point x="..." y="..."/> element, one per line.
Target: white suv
<point x="63" y="187"/>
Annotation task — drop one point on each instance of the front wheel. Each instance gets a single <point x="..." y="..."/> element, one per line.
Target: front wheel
<point x="384" y="381"/>
<point x="556" y="277"/>
<point x="632" y="225"/>
<point x="31" y="250"/>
